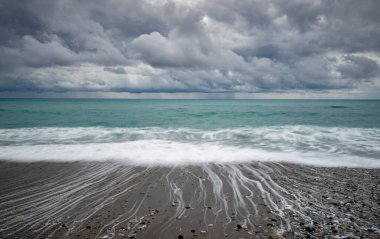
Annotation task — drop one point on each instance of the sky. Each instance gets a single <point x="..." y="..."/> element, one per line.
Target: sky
<point x="190" y="49"/>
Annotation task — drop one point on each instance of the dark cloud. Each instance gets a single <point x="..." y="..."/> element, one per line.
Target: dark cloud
<point x="358" y="67"/>
<point x="116" y="70"/>
<point x="189" y="46"/>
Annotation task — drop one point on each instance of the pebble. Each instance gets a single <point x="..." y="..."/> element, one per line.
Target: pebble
<point x="133" y="221"/>
<point x="273" y="236"/>
<point x="153" y="212"/>
<point x="371" y="230"/>
<point x="309" y="228"/>
<point x="142" y="227"/>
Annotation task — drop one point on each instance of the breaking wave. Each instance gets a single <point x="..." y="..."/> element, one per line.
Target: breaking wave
<point x="312" y="145"/>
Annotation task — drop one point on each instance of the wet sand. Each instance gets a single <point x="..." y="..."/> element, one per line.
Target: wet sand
<point x="258" y="200"/>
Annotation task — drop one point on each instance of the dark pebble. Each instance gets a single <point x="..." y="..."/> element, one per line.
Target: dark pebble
<point x="239" y="226"/>
<point x="180" y="236"/>
<point x="192" y="231"/>
<point x="309" y="229"/>
<point x="88" y="227"/>
<point x="371" y="230"/>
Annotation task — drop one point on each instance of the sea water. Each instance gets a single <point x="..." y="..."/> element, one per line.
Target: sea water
<point x="182" y="132"/>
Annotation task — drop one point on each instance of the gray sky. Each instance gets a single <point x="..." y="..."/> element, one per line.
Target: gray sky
<point x="190" y="48"/>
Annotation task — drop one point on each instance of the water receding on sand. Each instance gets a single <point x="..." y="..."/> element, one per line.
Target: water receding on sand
<point x="113" y="200"/>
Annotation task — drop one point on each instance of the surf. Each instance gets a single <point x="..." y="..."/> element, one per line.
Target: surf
<point x="154" y="146"/>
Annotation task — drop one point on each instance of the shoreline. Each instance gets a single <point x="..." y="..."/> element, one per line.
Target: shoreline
<point x="256" y="200"/>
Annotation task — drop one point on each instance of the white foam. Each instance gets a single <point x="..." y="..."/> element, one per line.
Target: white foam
<point x="320" y="146"/>
<point x="166" y="153"/>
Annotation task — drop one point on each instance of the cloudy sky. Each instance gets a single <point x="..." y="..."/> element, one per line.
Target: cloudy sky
<point x="190" y="48"/>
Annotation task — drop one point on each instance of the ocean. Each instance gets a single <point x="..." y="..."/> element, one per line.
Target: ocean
<point x="331" y="133"/>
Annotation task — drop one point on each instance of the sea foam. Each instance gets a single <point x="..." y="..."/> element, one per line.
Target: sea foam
<point x="319" y="146"/>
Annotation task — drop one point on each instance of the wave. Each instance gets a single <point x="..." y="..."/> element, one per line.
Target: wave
<point x="319" y="146"/>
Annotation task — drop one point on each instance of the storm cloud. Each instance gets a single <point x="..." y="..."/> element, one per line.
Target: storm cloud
<point x="173" y="46"/>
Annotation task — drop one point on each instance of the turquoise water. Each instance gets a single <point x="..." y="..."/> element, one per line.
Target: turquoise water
<point x="201" y="114"/>
<point x="180" y="132"/>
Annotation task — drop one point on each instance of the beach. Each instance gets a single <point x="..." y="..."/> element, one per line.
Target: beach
<point x="255" y="200"/>
<point x="72" y="168"/>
